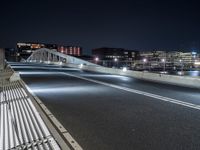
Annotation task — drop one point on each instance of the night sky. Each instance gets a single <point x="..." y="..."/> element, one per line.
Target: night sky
<point x="131" y="24"/>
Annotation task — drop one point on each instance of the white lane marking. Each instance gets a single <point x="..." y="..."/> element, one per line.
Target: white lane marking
<point x="43" y="67"/>
<point x="166" y="99"/>
<point x="37" y="73"/>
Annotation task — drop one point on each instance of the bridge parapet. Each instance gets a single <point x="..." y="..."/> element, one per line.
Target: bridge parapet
<point x="154" y="77"/>
<point x="6" y="72"/>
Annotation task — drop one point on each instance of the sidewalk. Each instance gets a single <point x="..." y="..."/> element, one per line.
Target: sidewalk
<point x="21" y="126"/>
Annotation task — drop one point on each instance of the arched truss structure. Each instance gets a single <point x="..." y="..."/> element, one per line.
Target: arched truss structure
<point x="52" y="56"/>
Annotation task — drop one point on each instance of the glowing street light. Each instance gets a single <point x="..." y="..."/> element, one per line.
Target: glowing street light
<point x="97" y="59"/>
<point x="144" y="61"/>
<point x="124" y="69"/>
<point x="81" y="66"/>
<point x="115" y="59"/>
<point x="181" y="65"/>
<point x="163" y="60"/>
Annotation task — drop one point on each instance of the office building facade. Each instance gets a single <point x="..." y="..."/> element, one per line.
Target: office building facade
<point x="26" y="49"/>
<point x="70" y="50"/>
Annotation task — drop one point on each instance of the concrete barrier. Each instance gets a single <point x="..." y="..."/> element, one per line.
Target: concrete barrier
<point x="15" y="77"/>
<point x="163" y="78"/>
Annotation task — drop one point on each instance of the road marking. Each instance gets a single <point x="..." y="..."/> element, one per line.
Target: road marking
<point x="166" y="99"/>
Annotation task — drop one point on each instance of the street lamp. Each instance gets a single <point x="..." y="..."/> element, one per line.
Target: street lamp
<point x="144" y="61"/>
<point x="163" y="60"/>
<point x="181" y="65"/>
<point x="97" y="59"/>
<point x="81" y="66"/>
<point x="116" y="60"/>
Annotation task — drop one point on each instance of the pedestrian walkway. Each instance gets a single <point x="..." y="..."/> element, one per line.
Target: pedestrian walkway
<point x="21" y="126"/>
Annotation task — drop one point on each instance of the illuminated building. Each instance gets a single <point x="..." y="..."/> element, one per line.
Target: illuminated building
<point x="153" y="55"/>
<point x="112" y="53"/>
<point x="70" y="50"/>
<point x="26" y="49"/>
<point x="114" y="57"/>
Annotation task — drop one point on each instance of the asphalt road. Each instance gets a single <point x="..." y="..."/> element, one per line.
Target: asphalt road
<point x="101" y="116"/>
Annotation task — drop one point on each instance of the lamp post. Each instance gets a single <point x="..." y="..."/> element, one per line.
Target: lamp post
<point x="163" y="60"/>
<point x="144" y="61"/>
<point x="181" y="65"/>
<point x="96" y="60"/>
<point x="116" y="61"/>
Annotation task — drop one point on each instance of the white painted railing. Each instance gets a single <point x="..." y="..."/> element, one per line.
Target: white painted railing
<point x="52" y="56"/>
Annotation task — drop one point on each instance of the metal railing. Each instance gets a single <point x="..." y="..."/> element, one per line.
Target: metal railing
<point x="47" y="55"/>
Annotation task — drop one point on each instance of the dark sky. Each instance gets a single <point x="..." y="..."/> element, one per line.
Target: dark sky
<point x="132" y="24"/>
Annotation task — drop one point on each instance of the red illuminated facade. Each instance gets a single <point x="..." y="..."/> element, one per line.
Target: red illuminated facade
<point x="70" y="50"/>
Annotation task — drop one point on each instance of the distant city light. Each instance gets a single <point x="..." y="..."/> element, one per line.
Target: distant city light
<point x="180" y="60"/>
<point x="164" y="72"/>
<point x="28" y="51"/>
<point x="115" y="59"/>
<point x="197" y="62"/>
<point x="163" y="60"/>
<point x="180" y="73"/>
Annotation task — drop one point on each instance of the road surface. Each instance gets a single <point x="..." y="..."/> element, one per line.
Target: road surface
<point x="111" y="112"/>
